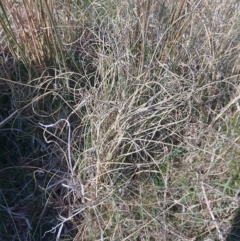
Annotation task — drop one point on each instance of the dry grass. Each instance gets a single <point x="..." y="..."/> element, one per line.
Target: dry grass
<point x="119" y="120"/>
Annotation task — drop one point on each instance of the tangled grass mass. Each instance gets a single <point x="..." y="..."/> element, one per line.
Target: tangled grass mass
<point x="119" y="120"/>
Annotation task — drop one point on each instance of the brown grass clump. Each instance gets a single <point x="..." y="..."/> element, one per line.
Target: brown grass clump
<point x="119" y="120"/>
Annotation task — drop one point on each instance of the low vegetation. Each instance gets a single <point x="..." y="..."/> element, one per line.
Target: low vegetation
<point x="119" y="120"/>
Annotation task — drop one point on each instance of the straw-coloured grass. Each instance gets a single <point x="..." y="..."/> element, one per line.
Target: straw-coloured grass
<point x="119" y="120"/>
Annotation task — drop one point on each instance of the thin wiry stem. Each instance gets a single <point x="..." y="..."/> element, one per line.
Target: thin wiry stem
<point x="69" y="140"/>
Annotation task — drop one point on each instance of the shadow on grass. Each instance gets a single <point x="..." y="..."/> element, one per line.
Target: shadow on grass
<point x="23" y="215"/>
<point x="234" y="234"/>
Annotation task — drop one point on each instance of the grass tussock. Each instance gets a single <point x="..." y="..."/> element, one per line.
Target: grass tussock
<point x="119" y="120"/>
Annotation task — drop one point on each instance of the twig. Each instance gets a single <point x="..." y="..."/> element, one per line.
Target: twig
<point x="211" y="213"/>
